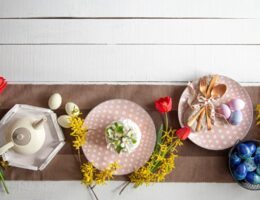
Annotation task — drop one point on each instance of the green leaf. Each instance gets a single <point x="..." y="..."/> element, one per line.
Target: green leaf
<point x="118" y="149"/>
<point x="134" y="141"/>
<point x="159" y="138"/>
<point x="120" y="129"/>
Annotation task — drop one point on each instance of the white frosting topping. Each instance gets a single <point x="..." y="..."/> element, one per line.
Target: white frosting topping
<point x="123" y="136"/>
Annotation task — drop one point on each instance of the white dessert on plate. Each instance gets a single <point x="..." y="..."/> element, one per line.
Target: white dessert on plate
<point x="123" y="136"/>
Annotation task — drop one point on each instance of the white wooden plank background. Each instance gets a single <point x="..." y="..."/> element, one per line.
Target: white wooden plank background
<point x="128" y="50"/>
<point x="130" y="31"/>
<point x="130" y="8"/>
<point x="79" y="63"/>
<point x="68" y="190"/>
<point x="113" y="41"/>
<point x="94" y="50"/>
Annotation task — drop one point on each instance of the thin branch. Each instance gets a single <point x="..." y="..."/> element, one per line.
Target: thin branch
<point x="80" y="162"/>
<point x="92" y="187"/>
<point x="93" y="192"/>
<point x="125" y="186"/>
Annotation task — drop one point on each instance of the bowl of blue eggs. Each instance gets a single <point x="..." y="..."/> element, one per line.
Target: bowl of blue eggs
<point x="244" y="164"/>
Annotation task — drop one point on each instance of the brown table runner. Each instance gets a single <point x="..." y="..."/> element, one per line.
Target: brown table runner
<point x="193" y="165"/>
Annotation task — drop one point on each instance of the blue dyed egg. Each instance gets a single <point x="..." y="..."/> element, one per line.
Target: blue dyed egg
<point x="235" y="160"/>
<point x="224" y="111"/>
<point x="236" y="117"/>
<point x="250" y="164"/>
<point x="243" y="151"/>
<point x="258" y="170"/>
<point x="253" y="178"/>
<point x="236" y="104"/>
<point x="257" y="151"/>
<point x="251" y="146"/>
<point x="240" y="172"/>
<point x="257" y="160"/>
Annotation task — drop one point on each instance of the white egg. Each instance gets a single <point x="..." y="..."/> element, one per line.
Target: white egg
<point x="72" y="109"/>
<point x="55" y="101"/>
<point x="64" y="121"/>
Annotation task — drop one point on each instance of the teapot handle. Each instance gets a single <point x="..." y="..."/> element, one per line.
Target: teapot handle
<point x="6" y="147"/>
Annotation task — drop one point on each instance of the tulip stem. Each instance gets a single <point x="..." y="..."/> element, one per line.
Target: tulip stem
<point x="2" y="180"/>
<point x="166" y="122"/>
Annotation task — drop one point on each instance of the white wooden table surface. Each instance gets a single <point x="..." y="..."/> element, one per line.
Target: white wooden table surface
<point x="122" y="41"/>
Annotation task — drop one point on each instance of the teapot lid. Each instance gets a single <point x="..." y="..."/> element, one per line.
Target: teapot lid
<point x="21" y="136"/>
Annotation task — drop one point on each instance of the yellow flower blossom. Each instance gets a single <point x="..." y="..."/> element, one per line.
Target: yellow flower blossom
<point x="142" y="176"/>
<point x="3" y="164"/>
<point x="163" y="148"/>
<point x="91" y="176"/>
<point x="88" y="170"/>
<point x="161" y="163"/>
<point x="79" y="131"/>
<point x="167" y="137"/>
<point x="257" y="114"/>
<point x="106" y="174"/>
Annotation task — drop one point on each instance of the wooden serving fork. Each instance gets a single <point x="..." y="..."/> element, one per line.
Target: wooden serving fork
<point x="211" y="85"/>
<point x="208" y="95"/>
<point x="203" y="86"/>
<point x="203" y="89"/>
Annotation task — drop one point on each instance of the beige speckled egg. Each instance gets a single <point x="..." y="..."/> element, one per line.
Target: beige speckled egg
<point x="55" y="101"/>
<point x="71" y="108"/>
<point x="64" y="121"/>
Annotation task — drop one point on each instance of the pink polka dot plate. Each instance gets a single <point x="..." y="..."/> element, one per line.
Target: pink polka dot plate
<point x="225" y="135"/>
<point x="103" y="114"/>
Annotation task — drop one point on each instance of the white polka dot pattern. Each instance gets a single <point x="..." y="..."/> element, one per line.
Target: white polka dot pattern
<point x="221" y="136"/>
<point x="96" y="150"/>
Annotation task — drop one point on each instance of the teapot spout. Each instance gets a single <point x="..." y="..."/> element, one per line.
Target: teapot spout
<point x="39" y="123"/>
<point x="6" y="147"/>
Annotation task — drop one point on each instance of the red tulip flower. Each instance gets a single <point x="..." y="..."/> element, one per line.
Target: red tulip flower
<point x="3" y="84"/>
<point x="183" y="133"/>
<point x="164" y="105"/>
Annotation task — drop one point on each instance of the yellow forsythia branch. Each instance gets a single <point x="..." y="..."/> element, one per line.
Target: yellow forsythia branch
<point x="257" y="114"/>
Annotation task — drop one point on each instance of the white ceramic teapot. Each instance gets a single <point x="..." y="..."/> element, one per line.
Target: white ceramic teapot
<point x="26" y="136"/>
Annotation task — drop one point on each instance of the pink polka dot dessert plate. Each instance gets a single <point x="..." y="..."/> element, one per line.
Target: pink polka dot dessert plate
<point x="100" y="118"/>
<point x="229" y="125"/>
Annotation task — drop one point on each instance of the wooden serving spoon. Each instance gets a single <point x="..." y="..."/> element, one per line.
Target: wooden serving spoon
<point x="199" y="123"/>
<point x="218" y="91"/>
<point x="208" y="120"/>
<point x="194" y="117"/>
